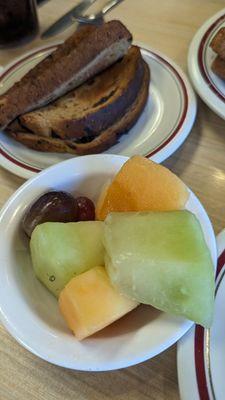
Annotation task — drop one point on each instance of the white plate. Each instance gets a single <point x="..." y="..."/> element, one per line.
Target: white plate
<point x="163" y="126"/>
<point x="200" y="57"/>
<point x="30" y="312"/>
<point x="201" y="353"/>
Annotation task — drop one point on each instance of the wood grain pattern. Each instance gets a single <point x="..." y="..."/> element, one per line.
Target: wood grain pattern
<point x="169" y="27"/>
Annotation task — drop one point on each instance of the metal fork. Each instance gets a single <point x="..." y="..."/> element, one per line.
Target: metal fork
<point x="93" y="18"/>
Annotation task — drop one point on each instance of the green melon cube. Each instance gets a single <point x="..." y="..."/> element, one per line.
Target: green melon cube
<point x="60" y="251"/>
<point x="161" y="259"/>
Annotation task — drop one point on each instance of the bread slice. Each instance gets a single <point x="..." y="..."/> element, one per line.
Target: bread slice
<point x="89" y="145"/>
<point x="92" y="107"/>
<point x="218" y="43"/>
<point x="218" y="67"/>
<point x="88" y="51"/>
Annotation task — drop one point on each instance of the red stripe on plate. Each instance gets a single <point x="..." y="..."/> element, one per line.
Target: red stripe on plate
<point x="221" y="263"/>
<point x="200" y="363"/>
<point x="185" y="108"/>
<point x="199" y="347"/>
<point x="201" y="60"/>
<point x="18" y="163"/>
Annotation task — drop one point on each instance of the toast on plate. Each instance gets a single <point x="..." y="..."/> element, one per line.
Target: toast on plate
<point x="218" y="67"/>
<point x="218" y="43"/>
<point x="218" y="46"/>
<point x="90" y="118"/>
<point x="88" y="51"/>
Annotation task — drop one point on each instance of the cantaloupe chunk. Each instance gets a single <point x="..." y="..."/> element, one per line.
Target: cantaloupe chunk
<point x="142" y="185"/>
<point x="89" y="303"/>
<point x="161" y="259"/>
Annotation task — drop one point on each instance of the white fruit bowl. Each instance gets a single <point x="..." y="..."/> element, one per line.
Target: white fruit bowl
<point x="30" y="313"/>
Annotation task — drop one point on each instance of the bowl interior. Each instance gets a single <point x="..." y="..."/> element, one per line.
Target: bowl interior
<point x="30" y="312"/>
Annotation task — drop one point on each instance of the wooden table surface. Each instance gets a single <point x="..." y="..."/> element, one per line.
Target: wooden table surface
<point x="168" y="26"/>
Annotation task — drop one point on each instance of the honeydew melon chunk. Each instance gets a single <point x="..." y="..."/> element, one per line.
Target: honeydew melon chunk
<point x="60" y="251"/>
<point x="161" y="259"/>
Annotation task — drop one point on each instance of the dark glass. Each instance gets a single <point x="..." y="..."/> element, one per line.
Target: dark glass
<point x="18" y="21"/>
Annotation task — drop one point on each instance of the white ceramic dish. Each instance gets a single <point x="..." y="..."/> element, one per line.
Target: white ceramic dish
<point x="200" y="57"/>
<point x="201" y="353"/>
<point x="30" y="312"/>
<point x="161" y="129"/>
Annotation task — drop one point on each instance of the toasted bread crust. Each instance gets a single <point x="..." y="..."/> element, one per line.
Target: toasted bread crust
<point x="103" y="141"/>
<point x="66" y="68"/>
<point x="94" y="106"/>
<point x="218" y="43"/>
<point x="218" y="67"/>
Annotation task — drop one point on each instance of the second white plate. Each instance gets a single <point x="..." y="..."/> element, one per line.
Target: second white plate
<point x="201" y="352"/>
<point x="200" y="57"/>
<point x="163" y="126"/>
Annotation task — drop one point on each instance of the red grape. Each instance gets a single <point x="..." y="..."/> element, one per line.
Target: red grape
<point x="86" y="209"/>
<point x="55" y="206"/>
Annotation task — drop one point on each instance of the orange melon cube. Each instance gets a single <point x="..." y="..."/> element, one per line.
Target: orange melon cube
<point x="89" y="303"/>
<point x="142" y="185"/>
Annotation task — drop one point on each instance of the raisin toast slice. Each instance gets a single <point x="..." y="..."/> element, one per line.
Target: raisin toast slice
<point x="218" y="43"/>
<point x="218" y="46"/>
<point x="90" y="142"/>
<point x="218" y="67"/>
<point x="92" y="107"/>
<point x="88" y="51"/>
